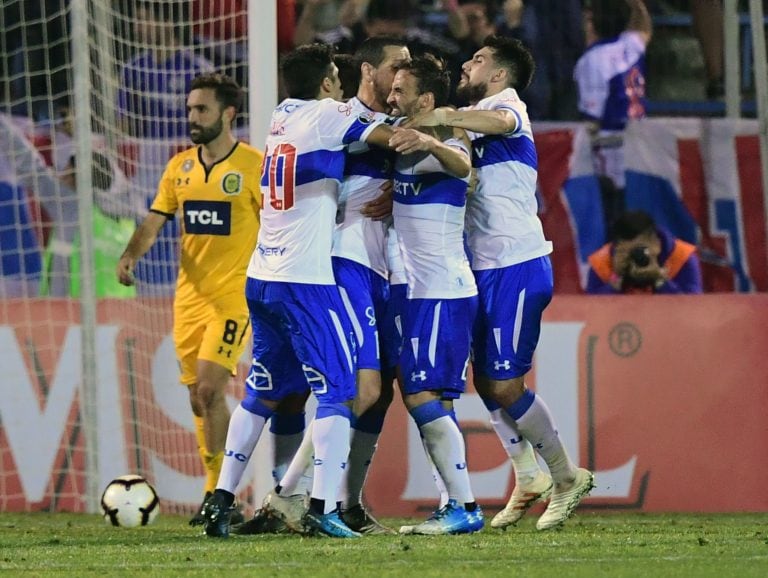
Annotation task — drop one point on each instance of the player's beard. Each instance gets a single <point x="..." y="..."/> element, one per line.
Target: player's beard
<point x="381" y="93"/>
<point x="472" y="93"/>
<point x="206" y="133"/>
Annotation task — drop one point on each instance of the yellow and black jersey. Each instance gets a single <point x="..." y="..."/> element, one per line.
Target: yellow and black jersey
<point x="220" y="211"/>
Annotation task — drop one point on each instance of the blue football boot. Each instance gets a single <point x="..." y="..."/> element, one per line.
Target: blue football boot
<point x="329" y="524"/>
<point x="450" y="519"/>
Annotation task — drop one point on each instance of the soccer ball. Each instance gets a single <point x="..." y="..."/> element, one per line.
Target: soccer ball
<point x="130" y="501"/>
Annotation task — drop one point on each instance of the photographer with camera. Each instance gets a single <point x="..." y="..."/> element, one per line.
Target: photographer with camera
<point x="643" y="258"/>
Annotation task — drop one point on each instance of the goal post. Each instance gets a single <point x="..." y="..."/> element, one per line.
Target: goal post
<point x="81" y="106"/>
<point x="757" y="16"/>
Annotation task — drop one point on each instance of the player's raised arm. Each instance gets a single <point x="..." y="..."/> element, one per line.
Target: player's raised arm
<point x="142" y="239"/>
<point x="454" y="160"/>
<point x="640" y="20"/>
<point x="380" y="136"/>
<point x="499" y="121"/>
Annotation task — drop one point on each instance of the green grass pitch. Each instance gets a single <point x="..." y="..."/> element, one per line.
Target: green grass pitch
<point x="589" y="545"/>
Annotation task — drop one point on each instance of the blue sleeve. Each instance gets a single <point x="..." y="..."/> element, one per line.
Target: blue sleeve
<point x="596" y="286"/>
<point x="358" y="130"/>
<point x="688" y="280"/>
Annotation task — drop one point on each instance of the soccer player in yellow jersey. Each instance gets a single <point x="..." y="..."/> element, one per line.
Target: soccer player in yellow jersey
<point x="214" y="187"/>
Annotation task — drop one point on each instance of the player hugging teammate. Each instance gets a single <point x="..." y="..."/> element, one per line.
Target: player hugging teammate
<point x="325" y="319"/>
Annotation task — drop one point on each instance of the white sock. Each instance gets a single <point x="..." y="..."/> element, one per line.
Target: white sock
<point x="519" y="449"/>
<point x="242" y="436"/>
<point x="538" y="427"/>
<point x="442" y="490"/>
<point x="445" y="446"/>
<point x="330" y="436"/>
<point x="361" y="449"/>
<point x="297" y="478"/>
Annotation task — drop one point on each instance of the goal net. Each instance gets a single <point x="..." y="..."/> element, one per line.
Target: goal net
<point x="141" y="59"/>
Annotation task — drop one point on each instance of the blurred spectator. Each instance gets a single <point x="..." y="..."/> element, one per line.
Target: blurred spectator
<point x="20" y="256"/>
<point x="35" y="54"/>
<point x="550" y="29"/>
<point x="221" y="29"/>
<point x="518" y="22"/>
<point x="112" y="211"/>
<point x="469" y="22"/>
<point x="345" y="24"/>
<point x="224" y="20"/>
<point x="643" y="258"/>
<point x="556" y="30"/>
<point x="154" y="84"/>
<point x="610" y="77"/>
<point x="477" y="18"/>
<point x="708" y="27"/>
<point x="152" y="105"/>
<point x="334" y="22"/>
<point x="401" y="18"/>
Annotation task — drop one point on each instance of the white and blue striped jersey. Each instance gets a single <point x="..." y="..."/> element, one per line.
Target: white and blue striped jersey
<point x="366" y="169"/>
<point x="610" y="76"/>
<point x="303" y="166"/>
<point x="429" y="210"/>
<point x="503" y="227"/>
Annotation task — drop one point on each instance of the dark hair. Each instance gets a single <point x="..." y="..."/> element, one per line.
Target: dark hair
<point x="390" y="10"/>
<point x="609" y="17"/>
<point x="632" y="224"/>
<point x="349" y="73"/>
<point x="431" y="76"/>
<point x="228" y="92"/>
<point x="511" y="54"/>
<point x="304" y="69"/>
<point x="491" y="8"/>
<point x="372" y="49"/>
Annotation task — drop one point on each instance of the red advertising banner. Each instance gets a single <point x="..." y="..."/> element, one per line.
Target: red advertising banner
<point x="663" y="397"/>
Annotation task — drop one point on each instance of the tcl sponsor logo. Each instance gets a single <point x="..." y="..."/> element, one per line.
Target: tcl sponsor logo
<point x="207" y="217"/>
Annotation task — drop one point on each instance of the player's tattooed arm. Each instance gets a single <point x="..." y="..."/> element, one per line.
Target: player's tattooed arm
<point x="500" y="121"/>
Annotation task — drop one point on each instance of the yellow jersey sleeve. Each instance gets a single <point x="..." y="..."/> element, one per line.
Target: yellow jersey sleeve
<point x="166" y="200"/>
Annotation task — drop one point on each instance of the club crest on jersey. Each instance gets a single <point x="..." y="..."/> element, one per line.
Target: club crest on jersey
<point x="232" y="183"/>
<point x="366" y="117"/>
<point x="187" y="165"/>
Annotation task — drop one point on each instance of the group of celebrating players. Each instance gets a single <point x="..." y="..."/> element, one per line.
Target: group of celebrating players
<point x="398" y="242"/>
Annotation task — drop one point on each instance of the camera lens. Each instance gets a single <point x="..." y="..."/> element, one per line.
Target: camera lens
<point x="641" y="256"/>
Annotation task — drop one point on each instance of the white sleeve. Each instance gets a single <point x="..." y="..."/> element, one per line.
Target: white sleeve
<point x="592" y="85"/>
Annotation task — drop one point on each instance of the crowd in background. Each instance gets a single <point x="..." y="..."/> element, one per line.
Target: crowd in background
<point x="35" y="70"/>
<point x="35" y="56"/>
